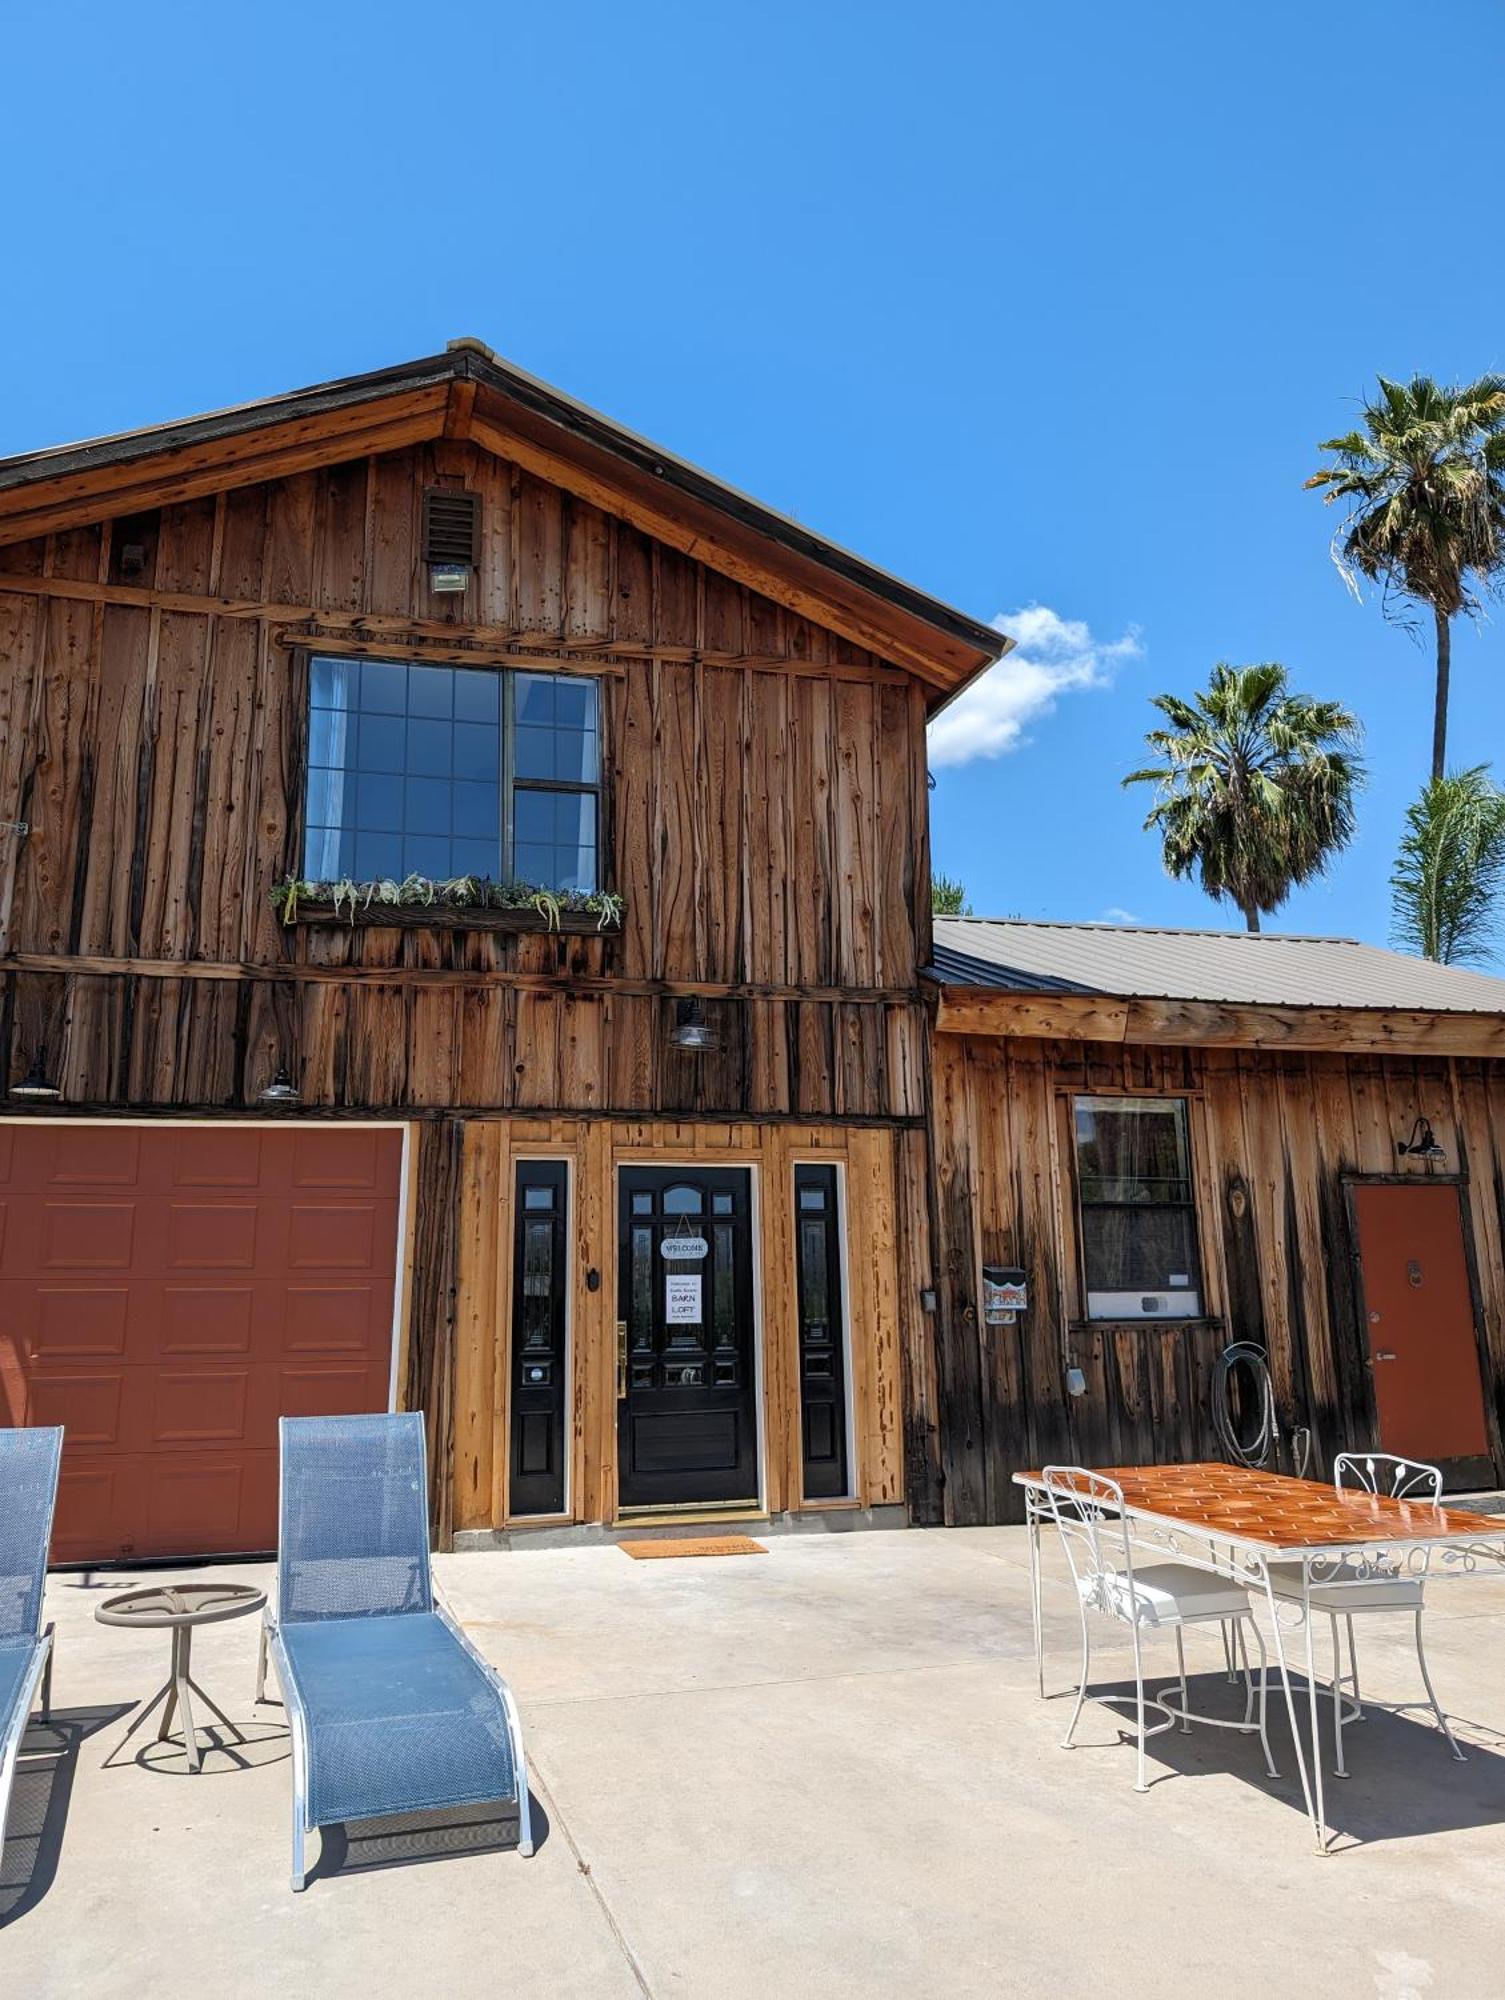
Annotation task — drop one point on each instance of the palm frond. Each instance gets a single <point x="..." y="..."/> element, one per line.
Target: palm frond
<point x="1445" y="889"/>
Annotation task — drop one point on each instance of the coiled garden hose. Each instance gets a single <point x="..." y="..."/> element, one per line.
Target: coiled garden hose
<point x="1259" y="1446"/>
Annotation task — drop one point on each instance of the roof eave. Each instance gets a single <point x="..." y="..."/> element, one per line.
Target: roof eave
<point x="921" y="630"/>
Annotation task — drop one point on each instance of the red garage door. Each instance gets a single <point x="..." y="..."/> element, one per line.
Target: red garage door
<point x="167" y="1292"/>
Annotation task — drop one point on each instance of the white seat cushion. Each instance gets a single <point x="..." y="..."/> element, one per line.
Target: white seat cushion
<point x="1375" y="1593"/>
<point x="1166" y="1594"/>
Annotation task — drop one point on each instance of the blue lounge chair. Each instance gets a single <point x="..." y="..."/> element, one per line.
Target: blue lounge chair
<point x="391" y="1709"/>
<point x="28" y="1492"/>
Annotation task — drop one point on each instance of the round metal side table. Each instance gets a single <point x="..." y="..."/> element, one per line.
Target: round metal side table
<point x="178" y="1608"/>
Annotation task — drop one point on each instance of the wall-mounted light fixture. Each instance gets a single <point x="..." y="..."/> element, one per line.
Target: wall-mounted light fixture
<point x="691" y="1029"/>
<point x="280" y="1091"/>
<point x="37" y="1086"/>
<point x="1422" y="1144"/>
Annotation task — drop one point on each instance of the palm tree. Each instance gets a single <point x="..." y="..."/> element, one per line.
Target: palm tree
<point x="1450" y="869"/>
<point x="1425" y="479"/>
<point x="1255" y="785"/>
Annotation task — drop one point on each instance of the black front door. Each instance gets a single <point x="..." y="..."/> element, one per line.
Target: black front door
<point x="687" y="1432"/>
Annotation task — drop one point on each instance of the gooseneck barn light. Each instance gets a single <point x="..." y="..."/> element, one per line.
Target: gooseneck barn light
<point x="1422" y="1144"/>
<point x="280" y="1091"/>
<point x="691" y="1029"/>
<point x="37" y="1086"/>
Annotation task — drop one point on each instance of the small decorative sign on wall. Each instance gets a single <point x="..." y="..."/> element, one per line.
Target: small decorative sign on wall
<point x="687" y="1249"/>
<point x="682" y="1298"/>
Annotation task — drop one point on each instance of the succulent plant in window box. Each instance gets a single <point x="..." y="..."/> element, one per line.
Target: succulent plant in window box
<point x="295" y="897"/>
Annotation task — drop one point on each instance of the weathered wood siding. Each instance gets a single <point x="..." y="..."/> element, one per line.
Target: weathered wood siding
<point x="1273" y="1137"/>
<point x="765" y="817"/>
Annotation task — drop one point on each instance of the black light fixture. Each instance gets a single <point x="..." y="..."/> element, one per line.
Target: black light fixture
<point x="1422" y="1144"/>
<point x="37" y="1086"/>
<point x="691" y="1029"/>
<point x="280" y="1091"/>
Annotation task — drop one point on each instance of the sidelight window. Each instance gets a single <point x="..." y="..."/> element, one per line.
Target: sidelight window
<point x="1138" y="1208"/>
<point x="447" y="771"/>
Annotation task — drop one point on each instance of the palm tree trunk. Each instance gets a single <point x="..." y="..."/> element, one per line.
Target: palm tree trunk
<point x="1251" y="916"/>
<point x="1440" y="710"/>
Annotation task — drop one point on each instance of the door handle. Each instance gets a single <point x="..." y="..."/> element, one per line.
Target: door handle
<point x="621" y="1359"/>
<point x="1384" y="1354"/>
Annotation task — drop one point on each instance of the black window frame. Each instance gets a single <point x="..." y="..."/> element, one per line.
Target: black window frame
<point x="1197" y="1289"/>
<point x="508" y="784"/>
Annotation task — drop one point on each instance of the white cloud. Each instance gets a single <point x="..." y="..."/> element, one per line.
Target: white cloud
<point x="1053" y="655"/>
<point x="1114" y="915"/>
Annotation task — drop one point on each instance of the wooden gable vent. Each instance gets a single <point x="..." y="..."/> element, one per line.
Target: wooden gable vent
<point x="451" y="528"/>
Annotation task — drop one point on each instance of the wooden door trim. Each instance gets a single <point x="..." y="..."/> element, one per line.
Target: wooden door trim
<point x="1459" y="1182"/>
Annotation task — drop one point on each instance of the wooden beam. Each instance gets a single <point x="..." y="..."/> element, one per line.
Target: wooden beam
<point x="1217" y="1024"/>
<point x="216" y="465"/>
<point x="374" y="632"/>
<point x="458" y="410"/>
<point x="600" y="986"/>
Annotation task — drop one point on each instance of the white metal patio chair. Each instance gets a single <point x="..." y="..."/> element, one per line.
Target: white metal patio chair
<point x="1157" y="1596"/>
<point x="1357" y="1595"/>
<point x="29" y="1461"/>
<point x="390" y="1707"/>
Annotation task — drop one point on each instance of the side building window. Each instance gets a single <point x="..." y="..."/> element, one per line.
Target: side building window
<point x="1138" y="1208"/>
<point x="446" y="771"/>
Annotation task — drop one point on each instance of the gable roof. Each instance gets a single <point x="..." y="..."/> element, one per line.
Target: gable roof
<point x="469" y="393"/>
<point x="1233" y="968"/>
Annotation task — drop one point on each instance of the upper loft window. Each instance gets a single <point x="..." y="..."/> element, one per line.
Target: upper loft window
<point x="445" y="771"/>
<point x="1139" y="1216"/>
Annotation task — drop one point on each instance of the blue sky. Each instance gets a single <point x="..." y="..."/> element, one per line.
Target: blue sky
<point x="1043" y="307"/>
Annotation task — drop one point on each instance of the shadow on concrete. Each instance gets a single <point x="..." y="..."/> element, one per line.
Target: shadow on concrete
<point x="43" y="1785"/>
<point x="400" y="1839"/>
<point x="1403" y="1780"/>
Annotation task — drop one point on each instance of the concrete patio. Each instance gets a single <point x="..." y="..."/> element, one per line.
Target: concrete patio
<point x="823" y="1770"/>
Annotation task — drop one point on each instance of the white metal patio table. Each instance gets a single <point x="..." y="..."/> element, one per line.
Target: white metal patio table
<point x="1239" y="1523"/>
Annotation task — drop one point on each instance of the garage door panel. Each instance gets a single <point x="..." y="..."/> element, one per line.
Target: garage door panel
<point x="344" y="1319"/>
<point x="93" y="1494"/>
<point x="207" y="1319"/>
<point x="333" y="1236"/>
<point x="210" y="1492"/>
<point x="93" y="1408"/>
<point x="211" y="1236"/>
<point x="72" y="1322"/>
<point x="323" y="1392"/>
<point x="228" y="1156"/>
<point x="93" y="1155"/>
<point x="82" y="1235"/>
<point x="197" y="1406"/>
<point x="349" y="1158"/>
<point x="168" y="1322"/>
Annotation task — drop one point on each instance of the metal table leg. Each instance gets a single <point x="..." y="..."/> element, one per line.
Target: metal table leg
<point x="1032" y="1517"/>
<point x="174" y="1697"/>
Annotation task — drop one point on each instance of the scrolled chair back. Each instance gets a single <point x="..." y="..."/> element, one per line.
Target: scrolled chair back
<point x="1387" y="1475"/>
<point x="1087" y="1509"/>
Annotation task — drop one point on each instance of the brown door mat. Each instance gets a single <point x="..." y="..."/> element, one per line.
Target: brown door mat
<point x="702" y="1545"/>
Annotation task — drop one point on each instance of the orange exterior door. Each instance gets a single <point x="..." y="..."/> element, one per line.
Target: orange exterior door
<point x="167" y="1292"/>
<point x="1419" y="1321"/>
